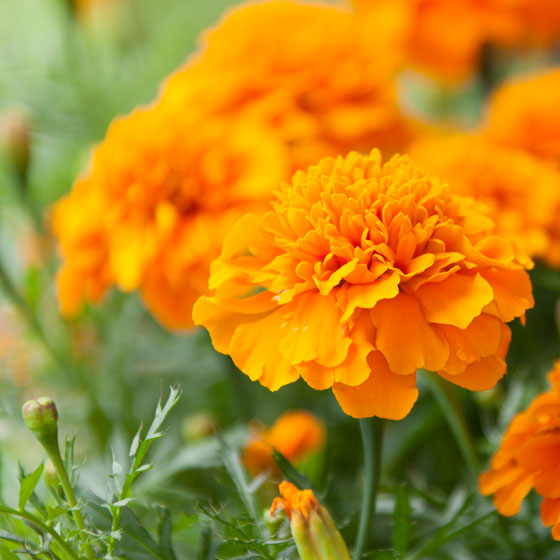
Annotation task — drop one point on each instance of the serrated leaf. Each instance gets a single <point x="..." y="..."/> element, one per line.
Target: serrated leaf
<point x="290" y="472"/>
<point x="162" y="412"/>
<point x="401" y="521"/>
<point x="135" y="442"/>
<point x="27" y="486"/>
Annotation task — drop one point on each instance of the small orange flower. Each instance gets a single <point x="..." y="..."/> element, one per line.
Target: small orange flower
<point x="521" y="191"/>
<point x="361" y="274"/>
<point x="275" y="86"/>
<point x="524" y="113"/>
<point x="295" y="434"/>
<point x="313" y="530"/>
<point x="529" y="457"/>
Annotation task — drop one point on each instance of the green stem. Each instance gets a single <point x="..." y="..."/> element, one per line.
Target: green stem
<point x="32" y="519"/>
<point x="372" y="438"/>
<point x="451" y="408"/>
<point x="50" y="445"/>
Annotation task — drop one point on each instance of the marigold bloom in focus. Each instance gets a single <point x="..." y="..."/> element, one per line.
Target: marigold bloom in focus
<point x="361" y="274"/>
<point x="274" y="87"/>
<point x="523" y="112"/>
<point x="528" y="458"/>
<point x="521" y="191"/>
<point x="295" y="434"/>
<point x="314" y="532"/>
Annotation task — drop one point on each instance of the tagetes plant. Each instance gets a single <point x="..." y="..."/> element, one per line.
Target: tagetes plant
<point x="523" y="112"/>
<point x="446" y="38"/>
<point x="522" y="192"/>
<point x="360" y="274"/>
<point x="296" y="434"/>
<point x="528" y="458"/>
<point x="252" y="105"/>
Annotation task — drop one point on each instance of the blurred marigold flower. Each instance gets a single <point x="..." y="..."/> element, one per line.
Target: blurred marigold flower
<point x="523" y="112"/>
<point x="521" y="191"/>
<point x="295" y="434"/>
<point x="275" y="86"/>
<point x="313" y="530"/>
<point x="529" y="457"/>
<point x="445" y="38"/>
<point x="361" y="274"/>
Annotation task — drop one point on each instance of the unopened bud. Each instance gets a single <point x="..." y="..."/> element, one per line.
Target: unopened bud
<point x="197" y="426"/>
<point x="15" y="140"/>
<point x="313" y="530"/>
<point x="41" y="417"/>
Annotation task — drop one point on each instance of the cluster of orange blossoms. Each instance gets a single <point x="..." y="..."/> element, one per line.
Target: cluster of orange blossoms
<point x="296" y="434"/>
<point x="356" y="258"/>
<point x="251" y="106"/>
<point x="529" y="457"/>
<point x="446" y="37"/>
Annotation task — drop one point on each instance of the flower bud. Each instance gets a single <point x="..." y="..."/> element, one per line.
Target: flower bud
<point x="15" y="140"/>
<point x="198" y="426"/>
<point x="41" y="417"/>
<point x="313" y="530"/>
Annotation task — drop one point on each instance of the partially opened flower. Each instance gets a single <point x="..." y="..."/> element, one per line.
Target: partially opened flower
<point x="523" y="112"/>
<point x="362" y="273"/>
<point x="296" y="434"/>
<point x="313" y="529"/>
<point x="274" y="87"/>
<point x="529" y="458"/>
<point x="521" y="191"/>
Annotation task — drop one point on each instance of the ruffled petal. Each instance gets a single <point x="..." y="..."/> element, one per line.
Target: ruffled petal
<point x="405" y="337"/>
<point x="508" y="499"/>
<point x="478" y="376"/>
<point x="456" y="301"/>
<point x="382" y="394"/>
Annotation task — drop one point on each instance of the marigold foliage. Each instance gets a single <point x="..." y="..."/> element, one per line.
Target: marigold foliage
<point x="445" y="38"/>
<point x="361" y="274"/>
<point x="521" y="191"/>
<point x="523" y="112"/>
<point x="252" y="105"/>
<point x="529" y="458"/>
<point x="296" y="434"/>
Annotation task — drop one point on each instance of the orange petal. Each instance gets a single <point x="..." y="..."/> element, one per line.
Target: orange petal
<point x="478" y="376"/>
<point x="406" y="338"/>
<point x="550" y="511"/>
<point x="254" y="350"/>
<point x="540" y="452"/>
<point x="513" y="293"/>
<point x="456" y="301"/>
<point x="508" y="499"/>
<point x="491" y="481"/>
<point x="351" y="296"/>
<point x="383" y="394"/>
<point x="547" y="483"/>
<point x="314" y="331"/>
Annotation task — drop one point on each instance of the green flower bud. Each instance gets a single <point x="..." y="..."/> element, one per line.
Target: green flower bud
<point x="15" y="140"/>
<point x="41" y="417"/>
<point x="197" y="426"/>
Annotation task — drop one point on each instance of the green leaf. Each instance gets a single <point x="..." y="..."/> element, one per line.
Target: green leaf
<point x="290" y="472"/>
<point x="27" y="486"/>
<point x="165" y="535"/>
<point x="401" y="521"/>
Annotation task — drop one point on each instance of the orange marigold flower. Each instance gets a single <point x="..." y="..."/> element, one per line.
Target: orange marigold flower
<point x="529" y="457"/>
<point x="296" y="434"/>
<point x="275" y="86"/>
<point x="523" y="112"/>
<point x="445" y="38"/>
<point x="521" y="191"/>
<point x="313" y="529"/>
<point x="361" y="274"/>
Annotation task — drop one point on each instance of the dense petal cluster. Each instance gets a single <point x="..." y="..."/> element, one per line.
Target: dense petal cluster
<point x="446" y="38"/>
<point x="361" y="274"/>
<point x="521" y="191"/>
<point x="523" y="112"/>
<point x="528" y="458"/>
<point x="274" y="87"/>
<point x="296" y="434"/>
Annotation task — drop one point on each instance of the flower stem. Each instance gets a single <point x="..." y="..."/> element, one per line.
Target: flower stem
<point x="372" y="438"/>
<point x="447" y="400"/>
<point x="50" y="445"/>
